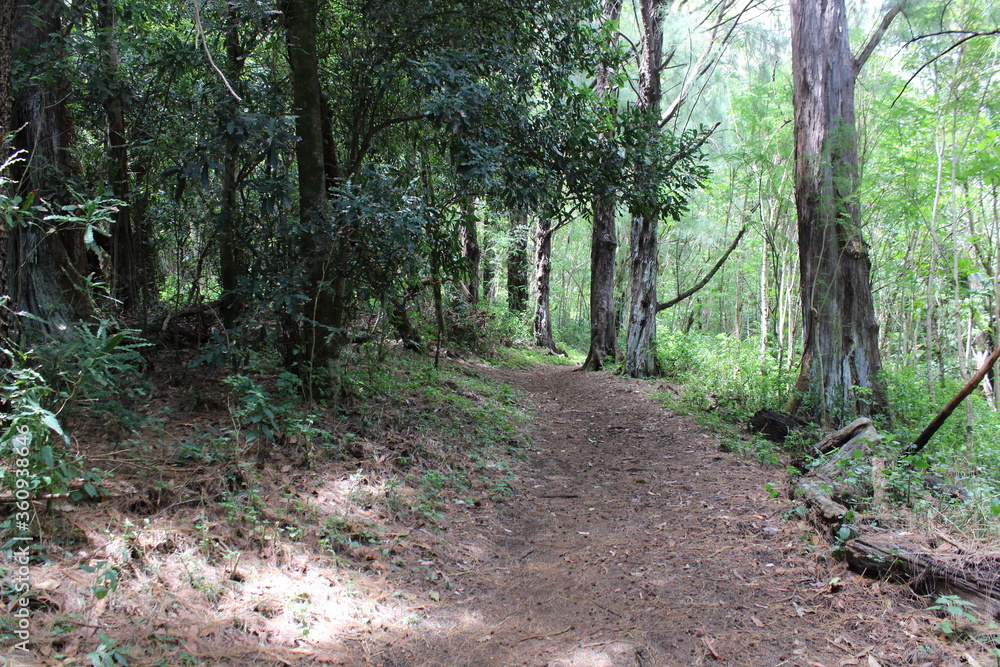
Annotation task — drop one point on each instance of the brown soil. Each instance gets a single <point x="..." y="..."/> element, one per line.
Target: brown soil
<point x="631" y="540"/>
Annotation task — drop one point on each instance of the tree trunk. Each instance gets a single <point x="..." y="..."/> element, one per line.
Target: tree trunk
<point x="542" y="325"/>
<point x="124" y="280"/>
<point x="6" y="63"/>
<point x="517" y="265"/>
<point x="640" y="342"/>
<point x="47" y="266"/>
<point x="603" y="316"/>
<point x="232" y="255"/>
<point x="399" y="317"/>
<point x="469" y="238"/>
<point x="840" y="331"/>
<point x="604" y="237"/>
<point x="323" y="313"/>
<point x="487" y="260"/>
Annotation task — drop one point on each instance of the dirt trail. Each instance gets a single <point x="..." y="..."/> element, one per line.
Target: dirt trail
<point x="632" y="540"/>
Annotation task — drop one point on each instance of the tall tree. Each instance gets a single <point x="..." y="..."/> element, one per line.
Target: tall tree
<point x="604" y="235"/>
<point x="840" y="346"/>
<point x="542" y="321"/>
<point x="232" y="253"/>
<point x="517" y="263"/>
<point x="6" y="63"/>
<point x="471" y="252"/>
<point x="323" y="317"/>
<point x="665" y="165"/>
<point x="48" y="265"/>
<point x="640" y="355"/>
<point x="124" y="279"/>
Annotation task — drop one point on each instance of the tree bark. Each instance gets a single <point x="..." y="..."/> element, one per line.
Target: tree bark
<point x="488" y="261"/>
<point x="542" y="324"/>
<point x="323" y="314"/>
<point x="47" y="267"/>
<point x="124" y="279"/>
<point x="517" y="265"/>
<point x="839" y="327"/>
<point x="6" y="64"/>
<point x="640" y="341"/>
<point x="232" y="254"/>
<point x="603" y="314"/>
<point x="604" y="237"/>
<point x="971" y="576"/>
<point x="471" y="253"/>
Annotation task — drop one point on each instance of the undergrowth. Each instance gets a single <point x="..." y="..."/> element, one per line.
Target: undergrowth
<point x="215" y="476"/>
<point x="954" y="483"/>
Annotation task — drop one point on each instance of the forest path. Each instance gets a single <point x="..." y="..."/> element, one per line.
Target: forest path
<point x="632" y="540"/>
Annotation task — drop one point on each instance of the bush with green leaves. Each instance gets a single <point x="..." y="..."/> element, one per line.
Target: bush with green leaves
<point x="724" y="371"/>
<point x="34" y="444"/>
<point x="100" y="367"/>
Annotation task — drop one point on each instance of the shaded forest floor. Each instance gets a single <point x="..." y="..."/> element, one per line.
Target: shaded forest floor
<point x="626" y="539"/>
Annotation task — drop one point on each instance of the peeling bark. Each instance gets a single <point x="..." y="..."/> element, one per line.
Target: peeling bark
<point x="469" y="238"/>
<point x="542" y="322"/>
<point x="640" y="341"/>
<point x="517" y="265"/>
<point x="840" y="330"/>
<point x="603" y="242"/>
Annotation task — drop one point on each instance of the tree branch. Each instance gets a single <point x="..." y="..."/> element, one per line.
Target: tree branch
<point x="877" y="36"/>
<point x="936" y="423"/>
<point x="366" y="143"/>
<point x="708" y="276"/>
<point x="690" y="150"/>
<point x="968" y="36"/>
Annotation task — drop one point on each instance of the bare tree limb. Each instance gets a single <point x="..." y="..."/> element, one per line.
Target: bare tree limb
<point x="973" y="382"/>
<point x="968" y="36"/>
<point x="708" y="276"/>
<point x="877" y="36"/>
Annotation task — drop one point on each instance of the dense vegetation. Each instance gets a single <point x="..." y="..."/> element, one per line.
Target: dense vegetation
<point x="303" y="197"/>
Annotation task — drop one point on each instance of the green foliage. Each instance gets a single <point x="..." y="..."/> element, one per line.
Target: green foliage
<point x="341" y="534"/>
<point x="255" y="413"/>
<point x="956" y="609"/>
<point x="101" y="365"/>
<point x="109" y="653"/>
<point x="106" y="580"/>
<point x="722" y="372"/>
<point x="34" y="444"/>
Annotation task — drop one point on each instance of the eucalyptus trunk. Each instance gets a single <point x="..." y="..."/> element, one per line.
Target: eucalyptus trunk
<point x="840" y="332"/>
<point x="640" y="341"/>
<point x="517" y="265"/>
<point x="542" y="323"/>
<point x="604" y="239"/>
<point x="471" y="254"/>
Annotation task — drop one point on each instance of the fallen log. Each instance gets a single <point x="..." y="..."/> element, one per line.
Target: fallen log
<point x="946" y="570"/>
<point x="827" y="493"/>
<point x="776" y="426"/>
<point x="843" y="436"/>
